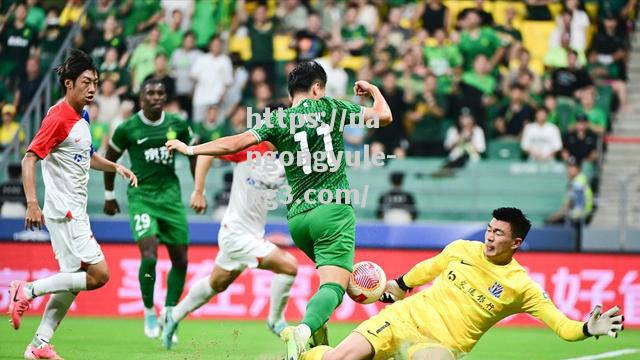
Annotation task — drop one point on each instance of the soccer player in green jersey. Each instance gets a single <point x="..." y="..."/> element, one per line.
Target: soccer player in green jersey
<point x="155" y="207"/>
<point x="325" y="232"/>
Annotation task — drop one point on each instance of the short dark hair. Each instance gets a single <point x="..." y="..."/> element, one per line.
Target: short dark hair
<point x="15" y="171"/>
<point x="302" y="77"/>
<point x="74" y="65"/>
<point x="520" y="225"/>
<point x="150" y="81"/>
<point x="397" y="178"/>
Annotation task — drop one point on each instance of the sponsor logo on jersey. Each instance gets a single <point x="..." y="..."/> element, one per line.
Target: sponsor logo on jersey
<point x="171" y="134"/>
<point x="140" y="141"/>
<point x="496" y="289"/>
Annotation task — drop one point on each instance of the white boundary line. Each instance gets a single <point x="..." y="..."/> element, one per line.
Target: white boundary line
<point x="606" y="355"/>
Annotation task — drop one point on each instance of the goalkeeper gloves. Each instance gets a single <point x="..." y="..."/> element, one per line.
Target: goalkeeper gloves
<point x="394" y="291"/>
<point x="608" y="323"/>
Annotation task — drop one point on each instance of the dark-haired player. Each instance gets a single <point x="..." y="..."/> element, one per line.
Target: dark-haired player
<point x="156" y="212"/>
<point x="63" y="143"/>
<point x="476" y="285"/>
<point x="325" y="232"/>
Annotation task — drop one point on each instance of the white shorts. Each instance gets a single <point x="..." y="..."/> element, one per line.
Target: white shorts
<point x="73" y="243"/>
<point x="239" y="252"/>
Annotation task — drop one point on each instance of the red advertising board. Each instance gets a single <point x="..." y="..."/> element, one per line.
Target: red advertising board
<point x="575" y="282"/>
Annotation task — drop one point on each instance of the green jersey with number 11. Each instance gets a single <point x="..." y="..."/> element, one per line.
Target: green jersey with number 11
<point x="319" y="136"/>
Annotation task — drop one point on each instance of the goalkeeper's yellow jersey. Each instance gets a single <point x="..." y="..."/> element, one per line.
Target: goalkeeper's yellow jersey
<point x="471" y="294"/>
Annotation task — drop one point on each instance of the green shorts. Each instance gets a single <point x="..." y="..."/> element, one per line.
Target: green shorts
<point x="158" y="213"/>
<point x="326" y="234"/>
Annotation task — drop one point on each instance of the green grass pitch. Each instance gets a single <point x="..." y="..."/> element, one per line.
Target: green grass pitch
<point x="109" y="338"/>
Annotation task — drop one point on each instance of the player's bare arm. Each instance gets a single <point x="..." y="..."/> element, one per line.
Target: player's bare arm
<point x="223" y="146"/>
<point x="100" y="163"/>
<point x="380" y="108"/>
<point x="111" y="206"/>
<point x="33" y="218"/>
<point x="198" y="201"/>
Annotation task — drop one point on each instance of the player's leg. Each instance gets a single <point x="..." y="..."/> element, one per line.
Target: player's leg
<point x="148" y="248"/>
<point x="73" y="244"/>
<point x="426" y="351"/>
<point x="285" y="266"/>
<point x="56" y="309"/>
<point x="327" y="235"/>
<point x="353" y="347"/>
<point x="177" y="273"/>
<point x="199" y="294"/>
<point x="83" y="268"/>
<point x="173" y="231"/>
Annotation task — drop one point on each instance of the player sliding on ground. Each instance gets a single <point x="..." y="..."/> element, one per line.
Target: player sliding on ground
<point x="476" y="285"/>
<point x="241" y="238"/>
<point x="63" y="143"/>
<point x="156" y="213"/>
<point x="325" y="232"/>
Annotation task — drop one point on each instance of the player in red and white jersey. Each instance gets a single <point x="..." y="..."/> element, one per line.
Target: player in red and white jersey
<point x="241" y="236"/>
<point x="63" y="143"/>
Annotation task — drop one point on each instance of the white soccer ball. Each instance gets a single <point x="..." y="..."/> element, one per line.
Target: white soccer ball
<point x="367" y="282"/>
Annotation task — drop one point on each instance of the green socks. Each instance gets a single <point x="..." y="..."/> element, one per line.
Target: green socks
<point x="322" y="304"/>
<point x="175" y="285"/>
<point x="147" y="278"/>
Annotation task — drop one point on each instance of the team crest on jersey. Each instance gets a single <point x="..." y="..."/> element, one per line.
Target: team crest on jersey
<point x="171" y="134"/>
<point x="496" y="289"/>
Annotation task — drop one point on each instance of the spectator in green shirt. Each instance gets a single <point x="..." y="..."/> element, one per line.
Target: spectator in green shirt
<point x="35" y="15"/>
<point x="99" y="13"/>
<point x="598" y="121"/>
<point x="354" y="35"/>
<point x="261" y="32"/>
<point x="428" y="120"/>
<point x="171" y="34"/>
<point x="476" y="39"/>
<point x="478" y="89"/>
<point x="143" y="57"/>
<point x="444" y="60"/>
<point x="140" y="15"/>
<point x="212" y="128"/>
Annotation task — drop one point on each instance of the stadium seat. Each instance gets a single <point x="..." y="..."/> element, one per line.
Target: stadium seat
<point x="504" y="150"/>
<point x="604" y="97"/>
<point x="592" y="9"/>
<point x="500" y="8"/>
<point x="281" y="50"/>
<point x="455" y="7"/>
<point x="533" y="33"/>
<point x="566" y="112"/>
<point x="555" y="8"/>
<point x="241" y="45"/>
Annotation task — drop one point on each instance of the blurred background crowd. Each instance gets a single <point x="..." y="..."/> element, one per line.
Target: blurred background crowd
<point x="466" y="80"/>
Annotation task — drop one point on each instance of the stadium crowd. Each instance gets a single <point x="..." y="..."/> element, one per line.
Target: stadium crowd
<point x="459" y="76"/>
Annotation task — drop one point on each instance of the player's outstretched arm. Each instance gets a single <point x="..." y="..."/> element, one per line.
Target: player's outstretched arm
<point x="102" y="164"/>
<point x="198" y="201"/>
<point x="111" y="206"/>
<point x="380" y="108"/>
<point x="33" y="217"/>
<point x="222" y="146"/>
<point x="537" y="304"/>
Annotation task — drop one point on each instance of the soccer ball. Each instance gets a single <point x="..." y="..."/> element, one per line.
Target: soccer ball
<point x="367" y="282"/>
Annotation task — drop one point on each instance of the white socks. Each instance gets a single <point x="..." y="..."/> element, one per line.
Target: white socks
<point x="54" y="313"/>
<point x="199" y="294"/>
<point x="60" y="282"/>
<point x="280" y="287"/>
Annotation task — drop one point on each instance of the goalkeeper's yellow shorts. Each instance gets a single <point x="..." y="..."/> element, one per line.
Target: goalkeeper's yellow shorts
<point x="393" y="334"/>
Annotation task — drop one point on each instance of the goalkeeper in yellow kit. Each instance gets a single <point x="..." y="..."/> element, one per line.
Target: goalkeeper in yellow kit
<point x="475" y="286"/>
